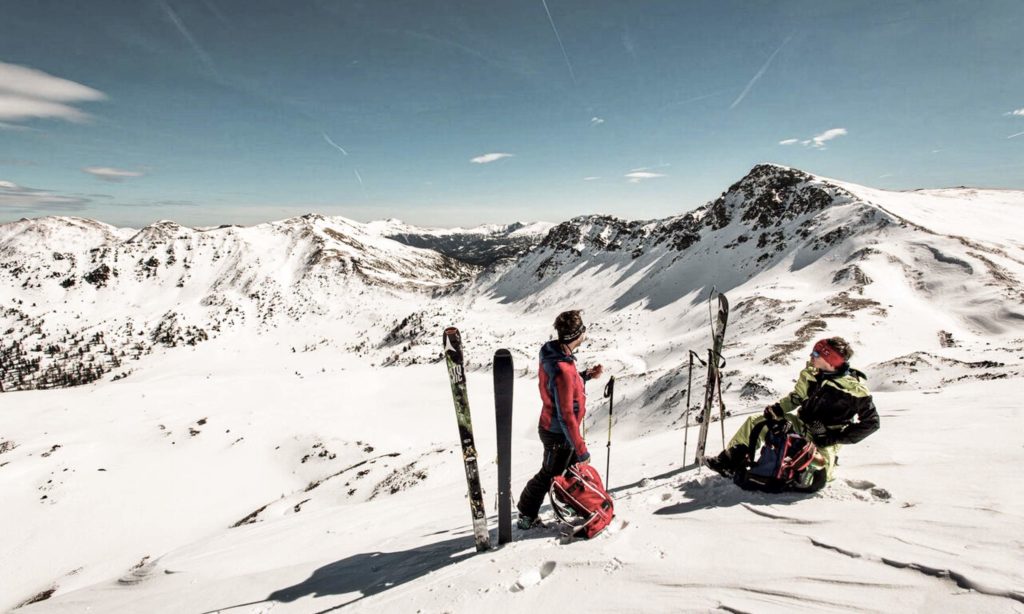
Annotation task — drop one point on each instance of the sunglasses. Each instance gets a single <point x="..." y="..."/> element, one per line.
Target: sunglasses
<point x="815" y="354"/>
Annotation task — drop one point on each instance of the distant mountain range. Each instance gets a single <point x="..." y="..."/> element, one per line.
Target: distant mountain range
<point x="80" y="299"/>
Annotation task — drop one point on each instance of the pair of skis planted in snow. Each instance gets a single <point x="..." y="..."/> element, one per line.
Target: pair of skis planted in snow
<point x="503" y="385"/>
<point x="503" y="380"/>
<point x="713" y="386"/>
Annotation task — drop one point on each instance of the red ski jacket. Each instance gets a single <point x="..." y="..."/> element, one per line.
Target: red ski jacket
<point x="564" y="397"/>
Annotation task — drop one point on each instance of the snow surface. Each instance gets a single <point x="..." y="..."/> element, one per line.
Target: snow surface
<point x="344" y="476"/>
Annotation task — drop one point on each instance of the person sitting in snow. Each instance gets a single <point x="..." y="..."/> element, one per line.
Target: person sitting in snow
<point x="832" y="407"/>
<point x="564" y="404"/>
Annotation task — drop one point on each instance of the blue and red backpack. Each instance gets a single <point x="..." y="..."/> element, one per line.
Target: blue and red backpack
<point x="785" y="462"/>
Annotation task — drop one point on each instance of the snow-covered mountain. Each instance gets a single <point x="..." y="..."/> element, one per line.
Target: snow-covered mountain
<point x="80" y="297"/>
<point x="267" y="426"/>
<point x="480" y="245"/>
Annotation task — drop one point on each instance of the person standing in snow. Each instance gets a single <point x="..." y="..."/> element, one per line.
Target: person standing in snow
<point x="564" y="401"/>
<point x="832" y="404"/>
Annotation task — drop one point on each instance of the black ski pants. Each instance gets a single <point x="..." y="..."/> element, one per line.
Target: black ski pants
<point x="558" y="456"/>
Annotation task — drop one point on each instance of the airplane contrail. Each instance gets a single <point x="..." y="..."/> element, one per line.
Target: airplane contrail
<point x="333" y="144"/>
<point x="359" y="177"/>
<point x="680" y="103"/>
<point x="203" y="56"/>
<point x="743" y="94"/>
<point x="565" y="55"/>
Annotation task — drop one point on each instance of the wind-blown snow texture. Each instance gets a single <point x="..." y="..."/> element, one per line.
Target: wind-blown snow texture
<point x="257" y="418"/>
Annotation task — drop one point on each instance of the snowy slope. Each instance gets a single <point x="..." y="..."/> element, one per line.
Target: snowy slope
<point x="316" y="417"/>
<point x="80" y="299"/>
<point x="481" y="245"/>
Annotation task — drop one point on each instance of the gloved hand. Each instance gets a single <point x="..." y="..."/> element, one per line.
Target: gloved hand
<point x="774" y="413"/>
<point x="819" y="434"/>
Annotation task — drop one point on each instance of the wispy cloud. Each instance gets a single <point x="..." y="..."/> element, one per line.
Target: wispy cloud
<point x="14" y="197"/>
<point x="1013" y="136"/>
<point x="565" y="55"/>
<point x="1018" y="112"/>
<point x="199" y="51"/>
<point x="647" y="168"/>
<point x="687" y="101"/>
<point x="596" y="121"/>
<point x="333" y="144"/>
<point x="591" y="178"/>
<point x="759" y="74"/>
<point x="638" y="176"/>
<point x="817" y="141"/>
<point x="491" y="157"/>
<point x="27" y="93"/>
<point x="115" y="175"/>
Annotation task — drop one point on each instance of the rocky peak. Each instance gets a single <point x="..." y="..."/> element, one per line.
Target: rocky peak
<point x="771" y="195"/>
<point x="158" y="232"/>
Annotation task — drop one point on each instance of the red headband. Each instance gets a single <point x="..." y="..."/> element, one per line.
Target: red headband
<point x="829" y="354"/>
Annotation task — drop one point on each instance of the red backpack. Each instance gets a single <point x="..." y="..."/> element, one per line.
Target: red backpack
<point x="580" y="493"/>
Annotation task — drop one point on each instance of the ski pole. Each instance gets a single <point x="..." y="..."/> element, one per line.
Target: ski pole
<point x="609" y="390"/>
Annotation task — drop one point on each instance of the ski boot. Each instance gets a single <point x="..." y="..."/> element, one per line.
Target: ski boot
<point x="525" y="523"/>
<point x="729" y="461"/>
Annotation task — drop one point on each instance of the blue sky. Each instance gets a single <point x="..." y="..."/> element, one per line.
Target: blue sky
<point x="215" y="111"/>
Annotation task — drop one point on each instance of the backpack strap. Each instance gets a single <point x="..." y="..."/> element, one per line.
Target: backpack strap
<point x="755" y="433"/>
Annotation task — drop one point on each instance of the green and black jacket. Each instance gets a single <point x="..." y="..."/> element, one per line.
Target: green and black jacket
<point x="839" y="400"/>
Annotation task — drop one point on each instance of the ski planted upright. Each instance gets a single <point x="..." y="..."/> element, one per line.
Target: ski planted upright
<point x="713" y="379"/>
<point x="504" y="378"/>
<point x="457" y="376"/>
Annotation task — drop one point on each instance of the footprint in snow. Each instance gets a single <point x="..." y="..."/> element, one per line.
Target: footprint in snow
<point x="880" y="494"/>
<point x="532" y="577"/>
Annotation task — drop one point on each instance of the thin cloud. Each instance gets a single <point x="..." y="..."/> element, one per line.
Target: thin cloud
<point x="32" y="83"/>
<point x="1013" y="136"/>
<point x="591" y="178"/>
<point x="647" y="168"/>
<point x="27" y="93"/>
<point x="638" y="176"/>
<point x="115" y="175"/>
<point x="687" y="101"/>
<point x="20" y="199"/>
<point x="333" y="144"/>
<point x="565" y="55"/>
<point x="203" y="56"/>
<point x="491" y="157"/>
<point x="1018" y="112"/>
<point x="759" y="74"/>
<point x="596" y="121"/>
<point x="817" y="141"/>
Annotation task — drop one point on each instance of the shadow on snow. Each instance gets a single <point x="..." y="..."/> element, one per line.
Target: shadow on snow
<point x="372" y="573"/>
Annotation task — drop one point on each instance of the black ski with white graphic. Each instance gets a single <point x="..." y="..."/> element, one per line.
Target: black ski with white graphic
<point x="503" y="384"/>
<point x="713" y="385"/>
<point x="457" y="375"/>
